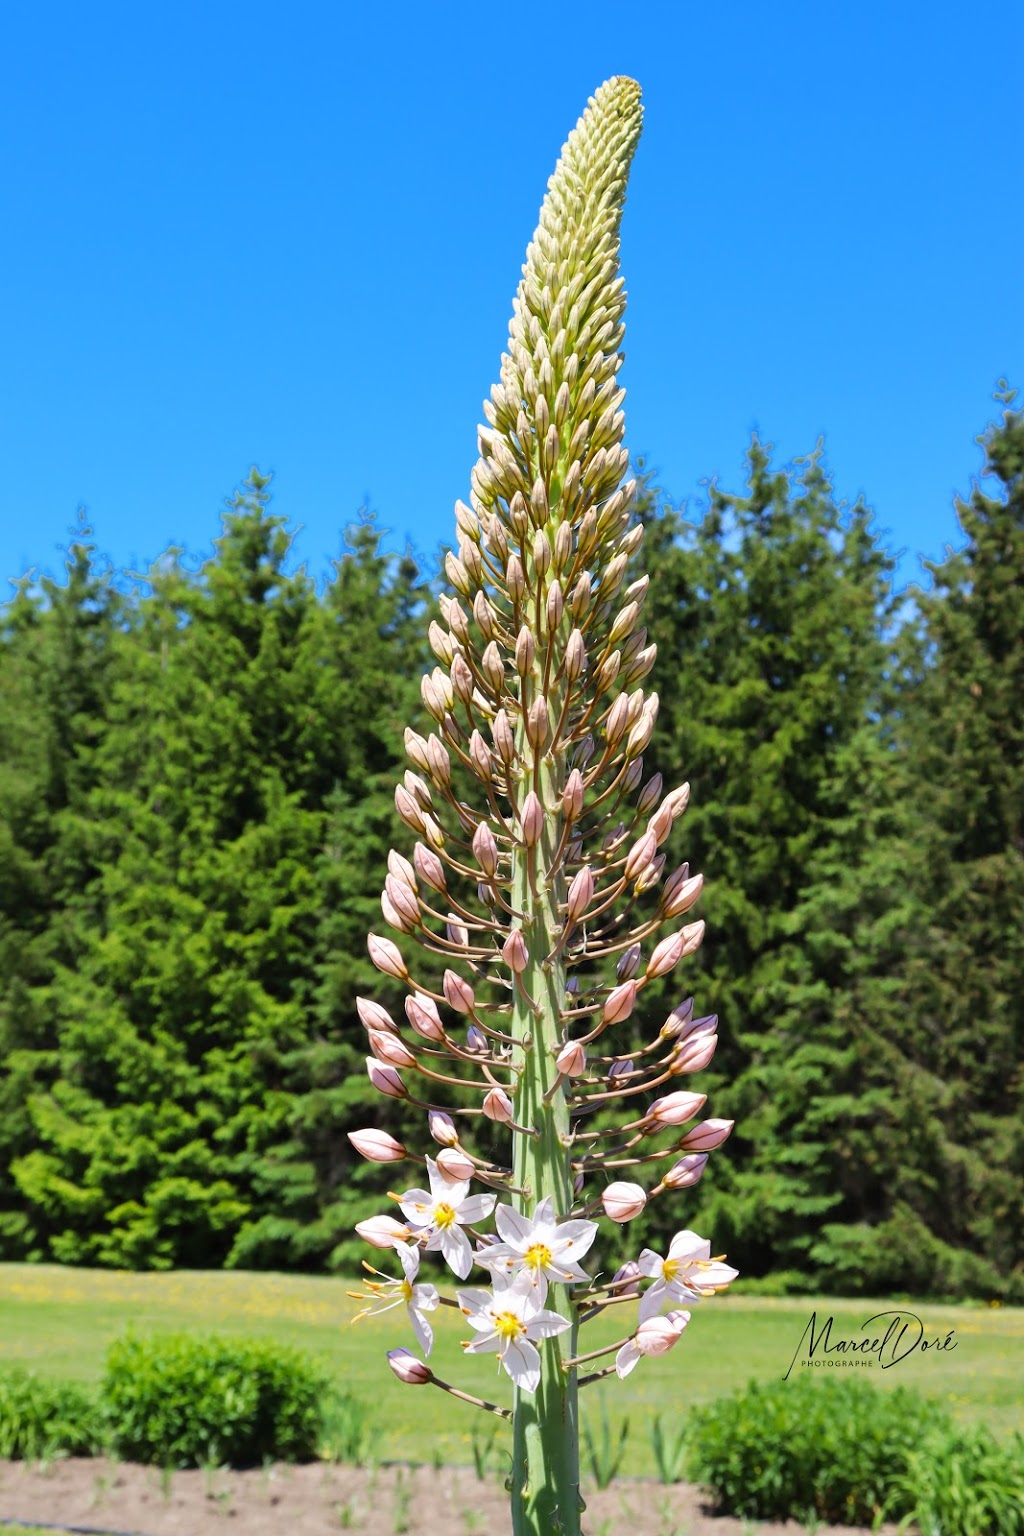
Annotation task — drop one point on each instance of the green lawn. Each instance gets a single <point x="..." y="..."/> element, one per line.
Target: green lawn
<point x="60" y="1321"/>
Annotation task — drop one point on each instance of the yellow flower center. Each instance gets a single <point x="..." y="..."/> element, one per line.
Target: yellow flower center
<point x="444" y="1216"/>
<point x="670" y="1269"/>
<point x="508" y="1326"/>
<point x="406" y="1290"/>
<point x="538" y="1257"/>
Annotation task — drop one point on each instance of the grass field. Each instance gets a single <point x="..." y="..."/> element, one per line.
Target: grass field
<point x="60" y="1321"/>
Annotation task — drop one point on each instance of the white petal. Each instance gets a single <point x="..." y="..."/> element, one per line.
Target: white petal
<point x="653" y="1299"/>
<point x="626" y="1358"/>
<point x="475" y="1208"/>
<point x="416" y="1206"/>
<point x="544" y="1215"/>
<point x="422" y="1329"/>
<point x="496" y="1255"/>
<point x="410" y="1258"/>
<point x="476" y="1305"/>
<point x="522" y="1362"/>
<point x="515" y="1229"/>
<point x="575" y="1235"/>
<point x="544" y="1325"/>
<point x="458" y="1255"/>
<point x="483" y="1344"/>
<point x="713" y="1274"/>
<point x="651" y="1263"/>
<point x="424" y="1298"/>
<point x="687" y="1245"/>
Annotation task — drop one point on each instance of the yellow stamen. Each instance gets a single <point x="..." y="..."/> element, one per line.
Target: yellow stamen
<point x="670" y="1269"/>
<point x="538" y="1257"/>
<point x="406" y="1290"/>
<point x="444" y="1216"/>
<point x="508" y="1326"/>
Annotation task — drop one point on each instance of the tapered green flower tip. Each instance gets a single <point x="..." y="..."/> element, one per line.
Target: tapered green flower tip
<point x="555" y="419"/>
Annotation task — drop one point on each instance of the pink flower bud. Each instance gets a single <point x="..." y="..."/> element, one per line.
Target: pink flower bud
<point x="480" y="758"/>
<point x="491" y="665"/>
<point x="694" y="1053"/>
<point x="377" y="1146"/>
<point x="640" y="855"/>
<point x="385" y="1079"/>
<point x="514" y="952"/>
<point x="408" y="809"/>
<point x="515" y="578"/>
<point x="455" y="1165"/>
<point x="416" y="749"/>
<point x="628" y="963"/>
<point x="462" y="678"/>
<point x="525" y="650"/>
<point x="532" y="819"/>
<point x="485" y="849"/>
<point x="680" y="799"/>
<point x="619" y="1003"/>
<point x="571" y="1060"/>
<point x="498" y="1106"/>
<point x="676" y="1108"/>
<point x="429" y="867"/>
<point x="423" y="1016"/>
<point x="402" y="899"/>
<point x="578" y="1182"/>
<point x="504" y="741"/>
<point x="458" y="993"/>
<point x="706" y="1136"/>
<point x="373" y="1016"/>
<point x="476" y="1040"/>
<point x="456" y="930"/>
<point x="622" y="1201"/>
<point x="657" y="1335"/>
<point x="686" y="1172"/>
<point x="402" y="870"/>
<point x="580" y="895"/>
<point x="626" y="1279"/>
<point x="442" y="1128"/>
<point x="555" y="606"/>
<point x="624" y="623"/>
<point x="640" y="735"/>
<point x="387" y="957"/>
<point x="575" y="654"/>
<point x="392" y="916"/>
<point x="620" y="1070"/>
<point x="618" y="719"/>
<point x="390" y="1049"/>
<point x="537" y="723"/>
<point x="649" y="877"/>
<point x="382" y="1231"/>
<point x="405" y="1364"/>
<point x="683" y="896"/>
<point x="439" y="764"/>
<point x="661" y="822"/>
<point x="572" y="796"/>
<point x="649" y="795"/>
<point x="433" y="699"/>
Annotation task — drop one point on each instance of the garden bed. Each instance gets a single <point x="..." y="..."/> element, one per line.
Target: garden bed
<point x="322" y="1499"/>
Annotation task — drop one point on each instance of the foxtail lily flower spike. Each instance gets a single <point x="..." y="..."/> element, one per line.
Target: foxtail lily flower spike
<point x="531" y="910"/>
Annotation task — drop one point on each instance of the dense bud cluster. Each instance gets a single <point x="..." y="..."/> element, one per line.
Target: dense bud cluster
<point x="536" y="891"/>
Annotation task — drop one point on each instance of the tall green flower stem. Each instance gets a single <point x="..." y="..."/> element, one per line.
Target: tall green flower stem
<point x="537" y="852"/>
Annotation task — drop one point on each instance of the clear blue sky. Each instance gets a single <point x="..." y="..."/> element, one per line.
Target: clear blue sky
<point x="289" y="235"/>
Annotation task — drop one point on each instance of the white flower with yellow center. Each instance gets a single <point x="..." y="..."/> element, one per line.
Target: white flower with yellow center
<point x="507" y="1320"/>
<point x="440" y="1214"/>
<point x="392" y="1293"/>
<point x="688" y="1274"/>
<point x="539" y="1250"/>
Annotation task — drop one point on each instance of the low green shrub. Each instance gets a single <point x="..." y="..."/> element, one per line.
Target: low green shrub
<point x="965" y="1484"/>
<point x="41" y="1418"/>
<point x="186" y="1400"/>
<point x="807" y="1449"/>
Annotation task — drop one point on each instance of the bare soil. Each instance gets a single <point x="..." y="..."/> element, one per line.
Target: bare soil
<point x="321" y="1500"/>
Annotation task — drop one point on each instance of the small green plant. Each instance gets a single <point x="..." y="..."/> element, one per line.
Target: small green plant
<point x="185" y="1400"/>
<point x="403" y="1500"/>
<point x="963" y="1483"/>
<point x="605" y="1454"/>
<point x="41" y="1419"/>
<point x="806" y="1449"/>
<point x="669" y="1451"/>
<point x="483" y="1447"/>
<point x="348" y="1430"/>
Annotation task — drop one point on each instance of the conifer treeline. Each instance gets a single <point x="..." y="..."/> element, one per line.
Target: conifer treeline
<point x="196" y="777"/>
